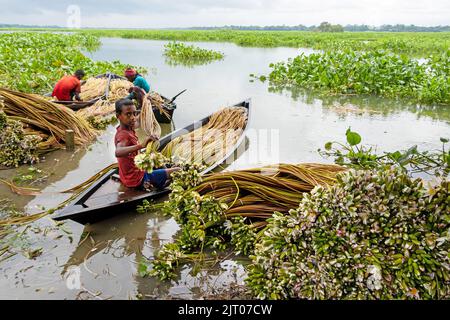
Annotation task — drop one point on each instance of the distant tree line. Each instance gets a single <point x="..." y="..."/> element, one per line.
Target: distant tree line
<point x="25" y="26"/>
<point x="396" y="28"/>
<point x="323" y="27"/>
<point x="327" y="27"/>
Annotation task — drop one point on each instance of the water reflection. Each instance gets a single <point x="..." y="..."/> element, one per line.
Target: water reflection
<point x="187" y="63"/>
<point x="364" y="106"/>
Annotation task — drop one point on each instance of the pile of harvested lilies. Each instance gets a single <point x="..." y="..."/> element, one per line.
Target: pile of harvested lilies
<point x="50" y="119"/>
<point x="212" y="141"/>
<point x="46" y="119"/>
<point x="93" y="88"/>
<point x="231" y="208"/>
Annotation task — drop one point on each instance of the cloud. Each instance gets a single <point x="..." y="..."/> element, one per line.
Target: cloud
<point x="169" y="13"/>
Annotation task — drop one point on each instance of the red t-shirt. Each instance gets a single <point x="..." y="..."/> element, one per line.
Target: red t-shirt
<point x="129" y="174"/>
<point x="65" y="86"/>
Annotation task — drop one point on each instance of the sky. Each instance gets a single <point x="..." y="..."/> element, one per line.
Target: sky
<point x="189" y="13"/>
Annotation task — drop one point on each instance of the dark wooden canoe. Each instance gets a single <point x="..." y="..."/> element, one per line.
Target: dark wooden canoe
<point x="77" y="105"/>
<point x="169" y="105"/>
<point x="107" y="196"/>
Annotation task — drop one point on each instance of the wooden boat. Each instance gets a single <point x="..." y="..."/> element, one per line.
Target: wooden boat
<point x="107" y="196"/>
<point x="169" y="105"/>
<point x="77" y="105"/>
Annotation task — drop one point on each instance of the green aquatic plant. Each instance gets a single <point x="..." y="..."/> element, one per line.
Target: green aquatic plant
<point x="101" y="123"/>
<point x="180" y="53"/>
<point x="34" y="61"/>
<point x="372" y="235"/>
<point x="353" y="154"/>
<point x="16" y="147"/>
<point x="224" y="211"/>
<point x="379" y="72"/>
<point x="410" y="43"/>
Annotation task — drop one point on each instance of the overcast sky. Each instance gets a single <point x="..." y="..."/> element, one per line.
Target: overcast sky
<point x="168" y="13"/>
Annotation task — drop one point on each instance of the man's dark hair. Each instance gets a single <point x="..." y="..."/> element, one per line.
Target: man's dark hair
<point x="80" y="73"/>
<point x="122" y="102"/>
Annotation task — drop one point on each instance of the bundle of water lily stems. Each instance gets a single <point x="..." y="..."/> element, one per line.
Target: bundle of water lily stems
<point x="93" y="88"/>
<point x="257" y="193"/>
<point x="99" y="108"/>
<point x="212" y="141"/>
<point x="118" y="89"/>
<point x="157" y="101"/>
<point x="149" y="124"/>
<point x="231" y="208"/>
<point x="47" y="119"/>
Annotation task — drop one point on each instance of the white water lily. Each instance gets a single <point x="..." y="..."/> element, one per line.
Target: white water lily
<point x="374" y="280"/>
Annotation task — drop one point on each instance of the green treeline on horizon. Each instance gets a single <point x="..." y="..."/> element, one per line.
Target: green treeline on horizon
<point x="324" y="26"/>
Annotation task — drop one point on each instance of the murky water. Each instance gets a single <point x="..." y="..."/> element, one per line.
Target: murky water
<point x="286" y="126"/>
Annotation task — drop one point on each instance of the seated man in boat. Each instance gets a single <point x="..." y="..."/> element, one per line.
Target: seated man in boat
<point x="128" y="146"/>
<point x="69" y="87"/>
<point x="140" y="86"/>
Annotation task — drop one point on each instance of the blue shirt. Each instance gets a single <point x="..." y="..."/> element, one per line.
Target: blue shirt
<point x="140" y="82"/>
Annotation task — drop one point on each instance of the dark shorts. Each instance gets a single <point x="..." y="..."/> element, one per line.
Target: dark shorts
<point x="157" y="178"/>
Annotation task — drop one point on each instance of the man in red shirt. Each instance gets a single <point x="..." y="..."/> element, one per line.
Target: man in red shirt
<point x="69" y="87"/>
<point x="128" y="146"/>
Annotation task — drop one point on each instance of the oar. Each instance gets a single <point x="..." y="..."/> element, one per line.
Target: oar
<point x="176" y="96"/>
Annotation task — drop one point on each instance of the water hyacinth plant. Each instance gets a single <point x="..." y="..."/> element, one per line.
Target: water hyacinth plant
<point x="372" y="235"/>
<point x="379" y="72"/>
<point x="180" y="53"/>
<point x="228" y="210"/>
<point x="410" y="43"/>
<point x="353" y="154"/>
<point x="148" y="161"/>
<point x="35" y="61"/>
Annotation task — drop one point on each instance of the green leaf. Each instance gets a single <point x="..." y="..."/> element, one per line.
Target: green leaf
<point x="353" y="138"/>
<point x="395" y="155"/>
<point x="142" y="269"/>
<point x="444" y="140"/>
<point x="328" y="145"/>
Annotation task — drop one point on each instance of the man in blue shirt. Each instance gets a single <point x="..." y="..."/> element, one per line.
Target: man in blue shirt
<point x="140" y="88"/>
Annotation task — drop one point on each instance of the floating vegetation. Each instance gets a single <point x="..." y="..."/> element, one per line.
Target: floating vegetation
<point x="211" y="142"/>
<point x="411" y="43"/>
<point x="101" y="123"/>
<point x="45" y="118"/>
<point x="44" y="58"/>
<point x="381" y="73"/>
<point x="180" y="53"/>
<point x="372" y="235"/>
<point x="229" y="209"/>
<point x="13" y="241"/>
<point x="354" y="155"/>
